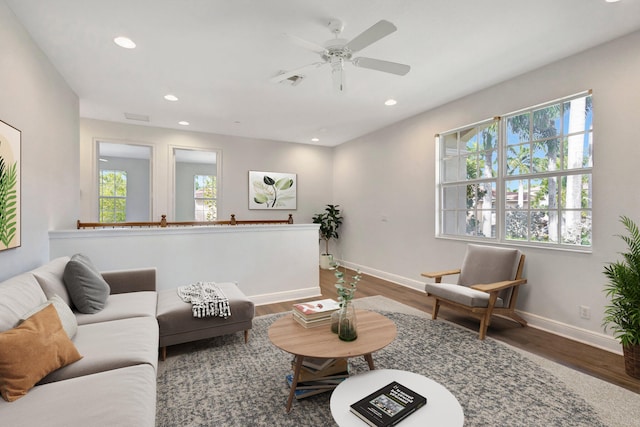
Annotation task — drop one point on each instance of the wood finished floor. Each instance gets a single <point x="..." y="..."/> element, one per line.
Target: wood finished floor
<point x="584" y="358"/>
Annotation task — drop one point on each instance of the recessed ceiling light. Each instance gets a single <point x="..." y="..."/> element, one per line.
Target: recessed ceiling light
<point x="612" y="1"/>
<point x="315" y="139"/>
<point x="389" y="102"/>
<point x="124" y="42"/>
<point x="183" y="123"/>
<point x="170" y="97"/>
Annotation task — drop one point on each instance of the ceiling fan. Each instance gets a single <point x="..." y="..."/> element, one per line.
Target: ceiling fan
<point x="337" y="51"/>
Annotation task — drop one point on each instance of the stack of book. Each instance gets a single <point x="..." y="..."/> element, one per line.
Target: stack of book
<point x="318" y="375"/>
<point x="315" y="313"/>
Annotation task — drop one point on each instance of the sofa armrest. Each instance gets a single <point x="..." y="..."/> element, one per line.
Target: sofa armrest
<point x="135" y="280"/>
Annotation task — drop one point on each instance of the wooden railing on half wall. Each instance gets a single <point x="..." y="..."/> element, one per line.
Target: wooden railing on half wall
<point x="163" y="223"/>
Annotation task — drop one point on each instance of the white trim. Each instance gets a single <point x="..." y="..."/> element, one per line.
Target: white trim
<point x="594" y="339"/>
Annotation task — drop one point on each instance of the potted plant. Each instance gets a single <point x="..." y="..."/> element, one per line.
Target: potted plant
<point x="330" y="220"/>
<point x="623" y="311"/>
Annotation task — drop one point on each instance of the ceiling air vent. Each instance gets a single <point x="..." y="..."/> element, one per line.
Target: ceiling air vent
<point x="138" y="117"/>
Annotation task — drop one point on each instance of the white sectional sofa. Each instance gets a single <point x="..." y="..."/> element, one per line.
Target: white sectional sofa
<point x="114" y="383"/>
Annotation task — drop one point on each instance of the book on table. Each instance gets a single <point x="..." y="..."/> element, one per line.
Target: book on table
<point x="313" y="323"/>
<point x="388" y="405"/>
<point x="316" y="309"/>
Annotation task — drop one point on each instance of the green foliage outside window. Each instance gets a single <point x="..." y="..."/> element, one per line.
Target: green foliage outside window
<point x="113" y="196"/>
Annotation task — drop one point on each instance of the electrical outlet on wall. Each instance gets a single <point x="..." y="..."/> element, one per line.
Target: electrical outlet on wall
<point x="585" y="312"/>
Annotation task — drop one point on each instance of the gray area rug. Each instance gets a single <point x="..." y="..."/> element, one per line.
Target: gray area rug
<point x="224" y="382"/>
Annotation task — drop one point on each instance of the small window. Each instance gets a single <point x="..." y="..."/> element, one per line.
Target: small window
<point x="204" y="196"/>
<point x="113" y="196"/>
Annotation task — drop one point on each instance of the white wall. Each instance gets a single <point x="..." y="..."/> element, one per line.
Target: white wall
<point x="270" y="263"/>
<point x="312" y="164"/>
<point x="37" y="101"/>
<point x="389" y="202"/>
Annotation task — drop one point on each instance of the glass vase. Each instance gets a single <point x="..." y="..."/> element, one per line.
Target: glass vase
<point x="335" y="321"/>
<point x="347" y="324"/>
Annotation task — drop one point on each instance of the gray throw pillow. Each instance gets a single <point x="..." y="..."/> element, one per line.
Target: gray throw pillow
<point x="87" y="289"/>
<point x="67" y="318"/>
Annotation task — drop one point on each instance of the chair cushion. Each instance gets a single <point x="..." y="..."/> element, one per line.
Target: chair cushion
<point x="30" y="351"/>
<point x="488" y="264"/>
<point x="461" y="294"/>
<point x="87" y="289"/>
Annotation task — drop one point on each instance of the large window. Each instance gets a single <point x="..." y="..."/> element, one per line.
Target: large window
<point x="113" y="196"/>
<point x="525" y="177"/>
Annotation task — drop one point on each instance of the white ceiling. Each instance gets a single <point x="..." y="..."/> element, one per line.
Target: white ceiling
<point x="218" y="56"/>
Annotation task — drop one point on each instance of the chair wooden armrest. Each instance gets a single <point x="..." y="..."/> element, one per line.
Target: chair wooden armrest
<point x="498" y="286"/>
<point x="439" y="274"/>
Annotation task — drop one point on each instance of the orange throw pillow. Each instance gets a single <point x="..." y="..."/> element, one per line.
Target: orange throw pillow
<point x="30" y="351"/>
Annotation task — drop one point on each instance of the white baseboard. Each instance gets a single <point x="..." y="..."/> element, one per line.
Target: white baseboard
<point x="285" y="296"/>
<point x="594" y="339"/>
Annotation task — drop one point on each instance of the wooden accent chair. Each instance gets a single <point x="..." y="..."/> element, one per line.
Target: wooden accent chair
<point x="488" y="284"/>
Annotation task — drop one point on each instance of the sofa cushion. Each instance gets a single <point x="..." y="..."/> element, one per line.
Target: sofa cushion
<point x="121" y="397"/>
<point x="18" y="295"/>
<point x="50" y="275"/>
<point x="67" y="318"/>
<point x="123" y="306"/>
<point x="112" y="345"/>
<point x="30" y="351"/>
<point x="86" y="287"/>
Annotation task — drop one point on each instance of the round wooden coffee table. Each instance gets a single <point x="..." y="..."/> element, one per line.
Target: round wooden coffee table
<point x="442" y="408"/>
<point x="374" y="332"/>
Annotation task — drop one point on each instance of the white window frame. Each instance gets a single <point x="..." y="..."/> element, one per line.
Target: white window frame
<point x="200" y="201"/>
<point x="446" y="209"/>
<point x="115" y="197"/>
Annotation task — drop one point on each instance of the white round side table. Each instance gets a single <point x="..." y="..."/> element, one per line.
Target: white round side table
<point x="442" y="408"/>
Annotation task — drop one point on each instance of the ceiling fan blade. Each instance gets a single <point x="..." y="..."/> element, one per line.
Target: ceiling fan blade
<point x="288" y="74"/>
<point x="373" y="34"/>
<point x="380" y="65"/>
<point x="314" y="47"/>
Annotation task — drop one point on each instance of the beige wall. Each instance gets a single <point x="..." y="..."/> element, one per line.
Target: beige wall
<point x="389" y="203"/>
<point x="37" y="101"/>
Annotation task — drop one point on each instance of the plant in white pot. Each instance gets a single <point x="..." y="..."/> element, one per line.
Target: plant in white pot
<point x="623" y="289"/>
<point x="329" y="220"/>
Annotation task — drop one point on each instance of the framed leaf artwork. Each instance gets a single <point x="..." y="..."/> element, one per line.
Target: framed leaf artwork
<point x="272" y="190"/>
<point x="10" y="140"/>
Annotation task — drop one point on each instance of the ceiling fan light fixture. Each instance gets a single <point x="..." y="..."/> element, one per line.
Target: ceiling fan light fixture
<point x="124" y="42"/>
<point x="390" y="102"/>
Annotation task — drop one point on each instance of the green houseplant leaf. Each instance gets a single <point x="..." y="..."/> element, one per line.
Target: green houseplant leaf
<point x="622" y="313"/>
<point x="8" y="201"/>
<point x="330" y="220"/>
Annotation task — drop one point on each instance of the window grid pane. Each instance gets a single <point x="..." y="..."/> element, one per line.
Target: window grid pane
<point x="530" y="170"/>
<point x="112" y="199"/>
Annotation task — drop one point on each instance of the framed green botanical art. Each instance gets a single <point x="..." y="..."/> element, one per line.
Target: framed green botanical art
<point x="272" y="190"/>
<point x="10" y="140"/>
